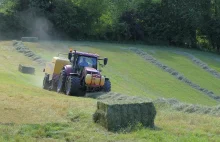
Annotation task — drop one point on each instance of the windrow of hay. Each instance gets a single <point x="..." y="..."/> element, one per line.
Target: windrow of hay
<point x="173" y="103"/>
<point x="189" y="108"/>
<point x="117" y="97"/>
<point x="173" y="72"/>
<point x="20" y="47"/>
<point x="200" y="64"/>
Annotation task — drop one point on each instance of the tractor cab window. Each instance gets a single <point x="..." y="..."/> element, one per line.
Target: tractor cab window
<point x="84" y="61"/>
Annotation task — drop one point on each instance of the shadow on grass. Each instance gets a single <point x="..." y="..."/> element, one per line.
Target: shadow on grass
<point x="94" y="95"/>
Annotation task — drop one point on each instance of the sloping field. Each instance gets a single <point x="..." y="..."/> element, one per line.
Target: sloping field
<point x="129" y="73"/>
<point x="212" y="60"/>
<point x="29" y="113"/>
<point x="190" y="70"/>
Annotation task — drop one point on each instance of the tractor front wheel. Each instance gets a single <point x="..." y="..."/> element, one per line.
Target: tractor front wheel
<point x="107" y="86"/>
<point x="61" y="82"/>
<point x="73" y="86"/>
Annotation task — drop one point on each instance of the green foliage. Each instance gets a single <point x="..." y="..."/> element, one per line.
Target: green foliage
<point x="170" y="22"/>
<point x="70" y="18"/>
<point x="7" y="6"/>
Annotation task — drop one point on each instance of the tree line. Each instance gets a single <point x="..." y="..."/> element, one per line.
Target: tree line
<point x="187" y="23"/>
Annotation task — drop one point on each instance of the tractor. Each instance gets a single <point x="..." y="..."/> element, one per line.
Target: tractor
<point x="76" y="75"/>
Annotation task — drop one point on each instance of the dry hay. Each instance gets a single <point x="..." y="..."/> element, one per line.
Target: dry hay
<point x="29" y="39"/>
<point x="162" y="102"/>
<point x="200" y="64"/>
<point x="117" y="112"/>
<point x="20" y="47"/>
<point x="26" y="69"/>
<point x="189" y="108"/>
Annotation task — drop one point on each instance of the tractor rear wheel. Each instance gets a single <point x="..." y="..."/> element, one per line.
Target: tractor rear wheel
<point x="107" y="86"/>
<point x="46" y="83"/>
<point x="61" y="82"/>
<point x="73" y="86"/>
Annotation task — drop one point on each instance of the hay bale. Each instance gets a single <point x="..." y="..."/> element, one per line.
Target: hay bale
<point x="26" y="69"/>
<point x="117" y="114"/>
<point x="29" y="39"/>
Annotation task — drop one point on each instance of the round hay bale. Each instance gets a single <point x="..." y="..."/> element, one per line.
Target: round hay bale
<point x="26" y="69"/>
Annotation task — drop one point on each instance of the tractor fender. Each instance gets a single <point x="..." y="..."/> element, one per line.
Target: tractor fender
<point x="68" y="69"/>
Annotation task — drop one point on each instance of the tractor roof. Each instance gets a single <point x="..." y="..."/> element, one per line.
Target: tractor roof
<point x="86" y="54"/>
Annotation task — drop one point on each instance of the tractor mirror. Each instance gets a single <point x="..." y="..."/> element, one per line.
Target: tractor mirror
<point x="105" y="61"/>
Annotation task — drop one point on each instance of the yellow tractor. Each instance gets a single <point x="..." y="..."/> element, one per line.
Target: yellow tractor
<point x="76" y="74"/>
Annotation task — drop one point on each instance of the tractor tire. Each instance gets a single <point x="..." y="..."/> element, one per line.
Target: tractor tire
<point x="73" y="87"/>
<point x="53" y="86"/>
<point x="46" y="83"/>
<point x="61" y="82"/>
<point x="107" y="86"/>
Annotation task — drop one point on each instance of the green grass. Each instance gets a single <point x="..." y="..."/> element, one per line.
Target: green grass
<point x="129" y="73"/>
<point x="29" y="113"/>
<point x="194" y="73"/>
<point x="212" y="61"/>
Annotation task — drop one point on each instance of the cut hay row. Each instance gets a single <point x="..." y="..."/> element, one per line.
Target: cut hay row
<point x="173" y="103"/>
<point x="20" y="47"/>
<point x="188" y="108"/>
<point x="200" y="63"/>
<point x="173" y="72"/>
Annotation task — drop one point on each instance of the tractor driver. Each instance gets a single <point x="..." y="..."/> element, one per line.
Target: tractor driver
<point x="84" y="63"/>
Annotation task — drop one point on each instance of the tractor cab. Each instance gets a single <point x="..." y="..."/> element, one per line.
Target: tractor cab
<point x="80" y="60"/>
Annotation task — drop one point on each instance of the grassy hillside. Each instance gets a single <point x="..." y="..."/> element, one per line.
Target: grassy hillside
<point x="190" y="70"/>
<point x="212" y="60"/>
<point x="129" y="73"/>
<point x="29" y="113"/>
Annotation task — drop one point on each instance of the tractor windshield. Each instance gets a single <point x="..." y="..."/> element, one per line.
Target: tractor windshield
<point x="85" y="61"/>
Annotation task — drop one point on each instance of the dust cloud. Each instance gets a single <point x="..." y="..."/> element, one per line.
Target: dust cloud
<point x="38" y="26"/>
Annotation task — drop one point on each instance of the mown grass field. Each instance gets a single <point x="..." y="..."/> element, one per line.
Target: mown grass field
<point x="190" y="70"/>
<point x="132" y="75"/>
<point x="29" y="113"/>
